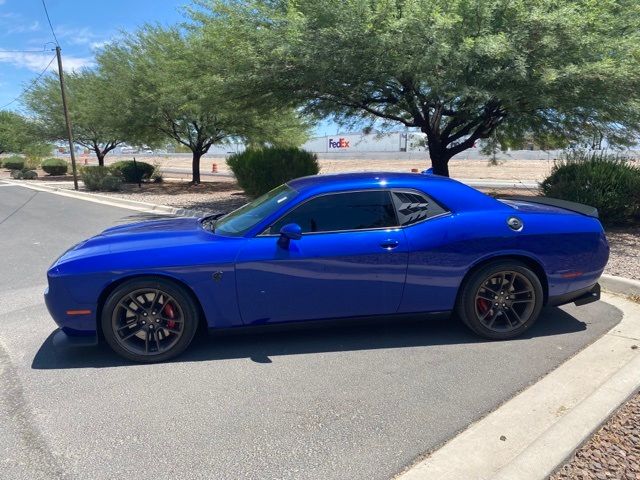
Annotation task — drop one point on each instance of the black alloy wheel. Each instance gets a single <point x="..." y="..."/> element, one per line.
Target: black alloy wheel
<point x="149" y="320"/>
<point x="501" y="300"/>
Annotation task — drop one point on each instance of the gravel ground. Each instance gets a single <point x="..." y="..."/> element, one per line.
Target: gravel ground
<point x="612" y="453"/>
<point x="624" y="260"/>
<point x="219" y="196"/>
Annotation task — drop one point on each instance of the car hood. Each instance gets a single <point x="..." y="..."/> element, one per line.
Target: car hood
<point x="166" y="239"/>
<point x="172" y="226"/>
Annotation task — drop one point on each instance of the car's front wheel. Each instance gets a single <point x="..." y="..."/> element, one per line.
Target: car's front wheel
<point x="149" y="320"/>
<point x="501" y="300"/>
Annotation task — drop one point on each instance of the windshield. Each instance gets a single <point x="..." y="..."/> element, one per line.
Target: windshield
<point x="240" y="221"/>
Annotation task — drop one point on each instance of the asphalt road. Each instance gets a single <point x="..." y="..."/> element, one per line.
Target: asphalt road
<point x="339" y="402"/>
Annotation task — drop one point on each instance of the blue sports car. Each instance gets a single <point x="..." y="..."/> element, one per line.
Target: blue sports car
<point x="327" y="247"/>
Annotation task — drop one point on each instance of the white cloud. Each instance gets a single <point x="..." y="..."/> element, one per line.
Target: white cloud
<point x="99" y="45"/>
<point x="36" y="62"/>
<point x="24" y="27"/>
<point x="77" y="35"/>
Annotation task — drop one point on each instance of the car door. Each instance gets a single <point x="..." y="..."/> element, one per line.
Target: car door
<point x="350" y="261"/>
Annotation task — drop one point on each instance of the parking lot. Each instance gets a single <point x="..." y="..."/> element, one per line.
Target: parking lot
<point x="333" y="402"/>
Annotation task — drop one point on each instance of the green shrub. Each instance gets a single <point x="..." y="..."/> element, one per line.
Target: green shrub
<point x="133" y="173"/>
<point x="14" y="162"/>
<point x="29" y="174"/>
<point x="606" y="181"/>
<point x="17" y="174"/>
<point x="260" y="170"/>
<point x="97" y="178"/>
<point x="111" y="183"/>
<point x="54" y="166"/>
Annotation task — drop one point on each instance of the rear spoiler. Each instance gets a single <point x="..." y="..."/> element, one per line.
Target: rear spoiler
<point x="555" y="202"/>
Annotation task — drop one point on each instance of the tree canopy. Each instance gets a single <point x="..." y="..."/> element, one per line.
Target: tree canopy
<point x="16" y="134"/>
<point x="99" y="113"/>
<point x="177" y="90"/>
<point x="457" y="70"/>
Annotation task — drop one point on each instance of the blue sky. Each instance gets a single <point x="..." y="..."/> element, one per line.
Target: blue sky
<point x="82" y="27"/>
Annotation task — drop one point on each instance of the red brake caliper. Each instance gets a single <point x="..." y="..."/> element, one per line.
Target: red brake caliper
<point x="169" y="313"/>
<point x="483" y="305"/>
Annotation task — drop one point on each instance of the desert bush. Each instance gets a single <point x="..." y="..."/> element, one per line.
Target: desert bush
<point x="609" y="182"/>
<point x="133" y="173"/>
<point x="14" y="162"/>
<point x="29" y="174"/>
<point x="111" y="183"/>
<point x="97" y="178"/>
<point x="260" y="170"/>
<point x="156" y="176"/>
<point x="55" y="166"/>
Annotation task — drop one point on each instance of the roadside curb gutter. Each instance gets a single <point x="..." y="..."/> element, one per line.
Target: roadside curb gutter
<point x="534" y="433"/>
<point x="114" y="201"/>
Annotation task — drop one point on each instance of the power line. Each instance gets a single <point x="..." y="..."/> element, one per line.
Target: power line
<point x="31" y="85"/>
<point x="46" y="12"/>
<point x="24" y="51"/>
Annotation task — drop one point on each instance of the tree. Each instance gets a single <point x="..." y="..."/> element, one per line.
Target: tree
<point x="99" y="117"/>
<point x="167" y="85"/>
<point x="457" y="70"/>
<point x="16" y="133"/>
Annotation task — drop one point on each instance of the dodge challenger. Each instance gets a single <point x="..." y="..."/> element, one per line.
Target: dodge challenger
<point x="329" y="247"/>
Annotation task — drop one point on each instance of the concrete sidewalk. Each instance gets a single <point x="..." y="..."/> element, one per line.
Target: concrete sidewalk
<point x="534" y="433"/>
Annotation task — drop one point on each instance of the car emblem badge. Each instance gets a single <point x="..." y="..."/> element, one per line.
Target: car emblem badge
<point x="217" y="276"/>
<point x="515" y="224"/>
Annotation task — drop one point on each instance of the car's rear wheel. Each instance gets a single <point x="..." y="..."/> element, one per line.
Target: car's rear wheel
<point x="501" y="300"/>
<point x="149" y="320"/>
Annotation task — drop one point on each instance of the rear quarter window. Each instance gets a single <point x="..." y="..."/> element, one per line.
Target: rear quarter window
<point x="413" y="207"/>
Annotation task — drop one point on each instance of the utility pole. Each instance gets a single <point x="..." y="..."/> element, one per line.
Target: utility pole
<point x="67" y="120"/>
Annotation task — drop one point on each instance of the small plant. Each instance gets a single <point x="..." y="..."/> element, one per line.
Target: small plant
<point x="29" y="175"/>
<point x="31" y="163"/>
<point x="55" y="166"/>
<point x="24" y="174"/>
<point x="133" y="172"/>
<point x="603" y="180"/>
<point x="156" y="176"/>
<point x="97" y="178"/>
<point x="260" y="170"/>
<point x="14" y="162"/>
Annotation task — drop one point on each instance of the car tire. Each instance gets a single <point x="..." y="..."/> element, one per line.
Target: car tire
<point x="500" y="300"/>
<point x="145" y="328"/>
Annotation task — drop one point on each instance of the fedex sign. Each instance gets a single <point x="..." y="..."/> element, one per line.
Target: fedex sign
<point x="340" y="143"/>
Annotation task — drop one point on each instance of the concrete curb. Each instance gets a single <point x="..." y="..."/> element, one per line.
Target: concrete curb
<point x="620" y="285"/>
<point x="535" y="432"/>
<point x="113" y="201"/>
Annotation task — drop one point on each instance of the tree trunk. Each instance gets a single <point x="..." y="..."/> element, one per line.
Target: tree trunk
<point x="439" y="159"/>
<point x="99" y="154"/>
<point x="195" y="166"/>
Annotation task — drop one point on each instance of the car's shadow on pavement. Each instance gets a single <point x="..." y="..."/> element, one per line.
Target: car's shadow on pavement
<point x="259" y="345"/>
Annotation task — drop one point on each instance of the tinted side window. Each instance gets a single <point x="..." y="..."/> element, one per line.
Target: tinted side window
<point x="413" y="207"/>
<point x="342" y="211"/>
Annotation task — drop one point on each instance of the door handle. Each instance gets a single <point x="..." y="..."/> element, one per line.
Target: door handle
<point x="389" y="244"/>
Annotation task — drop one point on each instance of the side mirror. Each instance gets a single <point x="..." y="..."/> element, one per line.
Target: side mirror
<point x="290" y="231"/>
